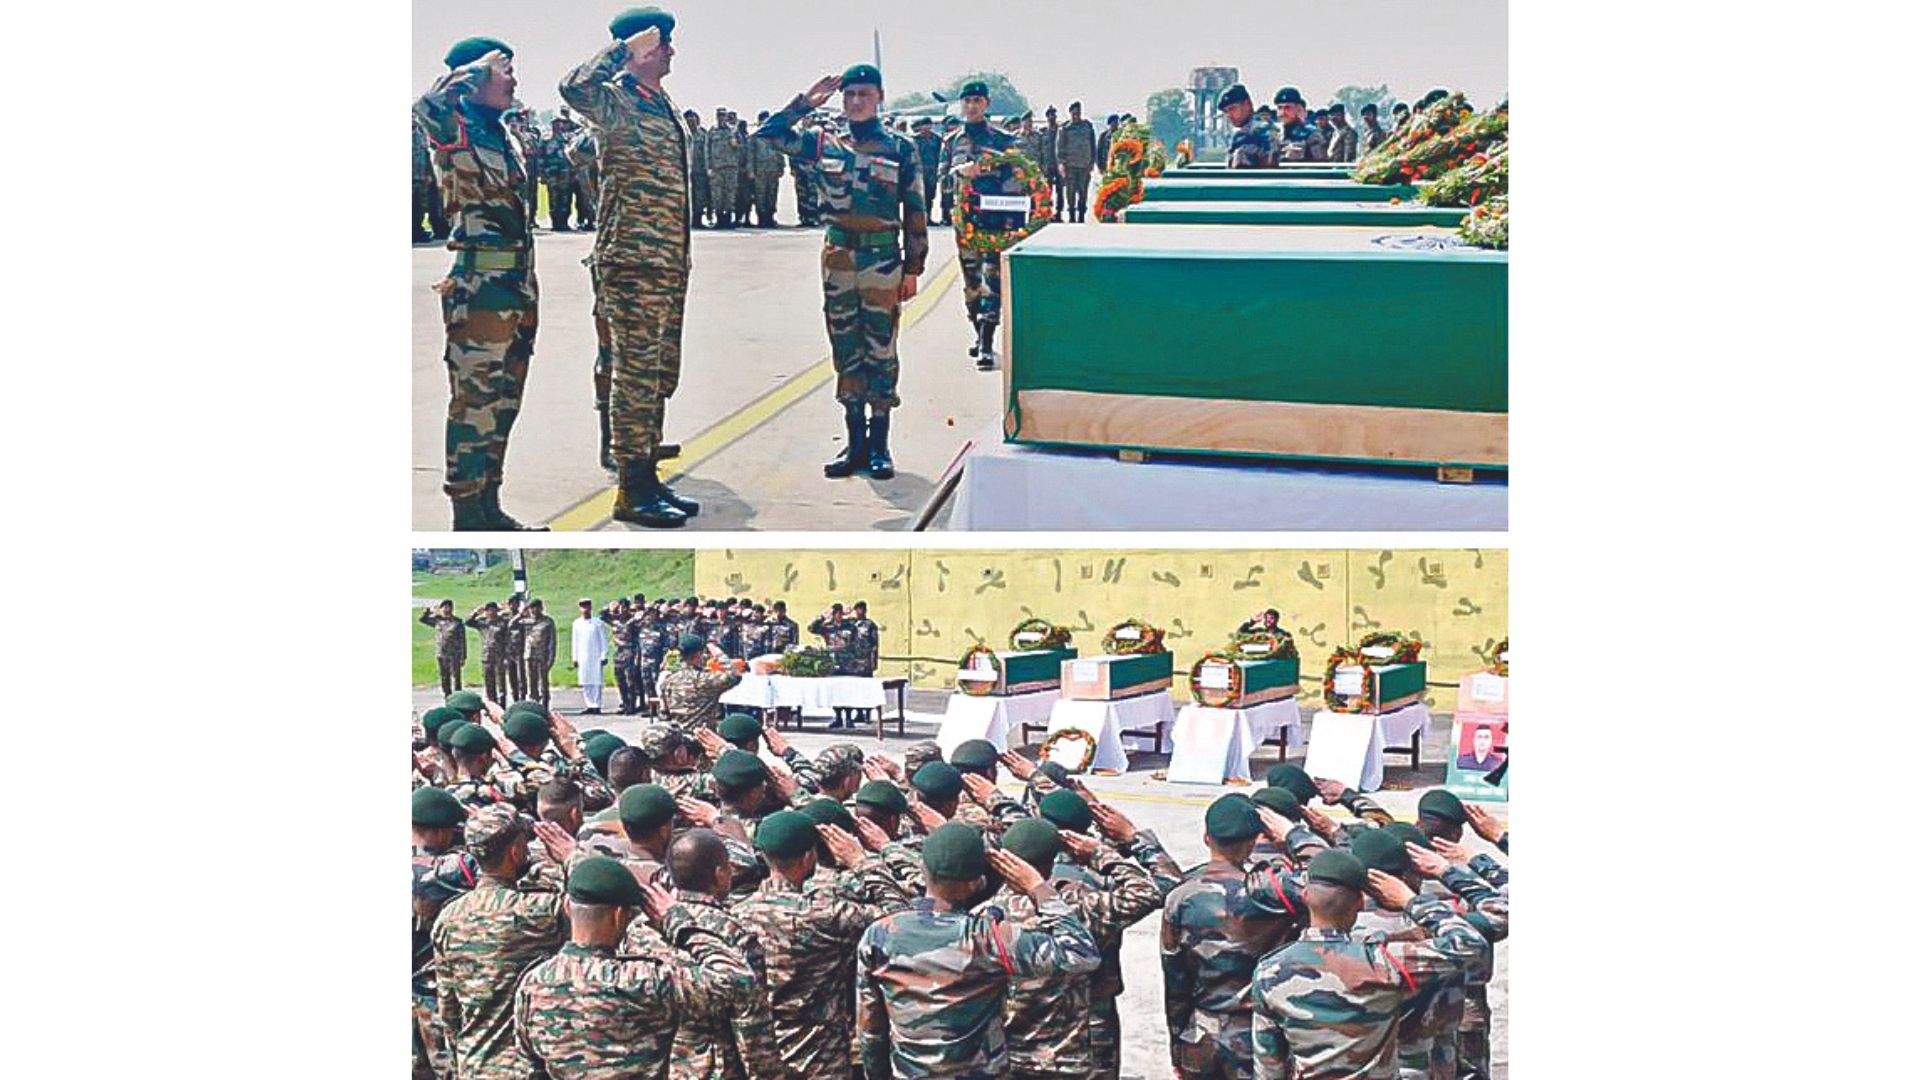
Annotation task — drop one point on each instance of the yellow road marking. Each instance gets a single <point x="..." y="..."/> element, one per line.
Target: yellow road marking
<point x="597" y="509"/>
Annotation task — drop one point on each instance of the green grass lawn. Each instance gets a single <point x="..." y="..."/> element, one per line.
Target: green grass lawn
<point x="559" y="578"/>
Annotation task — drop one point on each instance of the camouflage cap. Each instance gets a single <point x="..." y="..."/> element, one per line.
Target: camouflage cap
<point x="597" y="879"/>
<point x="644" y="807"/>
<point x="1232" y="818"/>
<point x="739" y="727"/>
<point x="467" y="50"/>
<point x="491" y="826"/>
<point x="882" y="795"/>
<point x="1067" y="810"/>
<point x="633" y="20"/>
<point x="1335" y="867"/>
<point x="786" y="834"/>
<point x="659" y="739"/>
<point x="1378" y="849"/>
<point x="432" y="720"/>
<point x="975" y="755"/>
<point x="1035" y="841"/>
<point x="1443" y="805"/>
<point x="938" y="780"/>
<point x="739" y="769"/>
<point x="955" y="851"/>
<point x="837" y="757"/>
<point x="825" y="811"/>
<point x="467" y="701"/>
<point x="1294" y="779"/>
<point x="1279" y="800"/>
<point x="860" y="75"/>
<point x="919" y="754"/>
<point x="435" y="808"/>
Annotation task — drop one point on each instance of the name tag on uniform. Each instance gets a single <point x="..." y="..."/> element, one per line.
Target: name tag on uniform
<point x="833" y="165"/>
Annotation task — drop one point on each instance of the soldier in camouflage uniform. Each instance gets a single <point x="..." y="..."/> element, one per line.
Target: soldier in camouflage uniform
<point x="516" y="646"/>
<point x="743" y="185"/>
<point x="583" y="153"/>
<point x="485" y="940"/>
<point x="593" y="1013"/>
<point x="871" y="201"/>
<point x="440" y="873"/>
<point x="657" y="638"/>
<point x="642" y="249"/>
<point x="1075" y="149"/>
<point x="539" y="638"/>
<point x="806" y="183"/>
<point x="725" y="152"/>
<point x="863" y="642"/>
<point x="979" y="270"/>
<point x="1329" y="1004"/>
<point x="1049" y="158"/>
<point x="701" y="210"/>
<point x="623" y="623"/>
<point x="493" y="648"/>
<point x="490" y="298"/>
<point x="1300" y="140"/>
<point x="1254" y="143"/>
<point x="558" y="175"/>
<point x="690" y="694"/>
<point x="449" y="643"/>
<point x="1344" y="143"/>
<point x="768" y="165"/>
<point x="426" y="191"/>
<point x="927" y="144"/>
<point x="933" y="980"/>
<point x="1371" y="133"/>
<point x="782" y="632"/>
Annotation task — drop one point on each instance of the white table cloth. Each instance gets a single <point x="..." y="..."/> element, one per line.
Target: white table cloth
<point x="994" y="718"/>
<point x="1107" y="719"/>
<point x="1363" y="770"/>
<point x="813" y="697"/>
<point x="1211" y="746"/>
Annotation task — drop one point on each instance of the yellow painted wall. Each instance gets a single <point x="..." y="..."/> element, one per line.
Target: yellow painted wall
<point x="933" y="604"/>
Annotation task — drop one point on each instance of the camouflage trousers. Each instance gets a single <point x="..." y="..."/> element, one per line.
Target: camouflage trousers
<point x="490" y="316"/>
<point x="862" y="288"/>
<point x="603" y="333"/>
<point x="804" y="196"/>
<point x="559" y="201"/>
<point x="516" y="678"/>
<point x="1078" y="178"/>
<point x="1216" y="1046"/>
<point x="432" y="1059"/>
<point x="449" y="674"/>
<point x="980" y="273"/>
<point x="586" y="193"/>
<point x="766" y="196"/>
<point x="702" y="197"/>
<point x="495" y="672"/>
<point x="721" y="187"/>
<point x="742" y="194"/>
<point x="1476" y="1054"/>
<point x="540" y="679"/>
<point x="644" y="307"/>
<point x="1103" y="1023"/>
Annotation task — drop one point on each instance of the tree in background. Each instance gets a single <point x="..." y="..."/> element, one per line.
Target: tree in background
<point x="1353" y="97"/>
<point x="1170" y="116"/>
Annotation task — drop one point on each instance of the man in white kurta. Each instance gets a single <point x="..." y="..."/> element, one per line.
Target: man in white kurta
<point x="589" y="655"/>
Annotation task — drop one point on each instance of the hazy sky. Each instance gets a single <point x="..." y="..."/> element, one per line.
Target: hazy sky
<point x="750" y="54"/>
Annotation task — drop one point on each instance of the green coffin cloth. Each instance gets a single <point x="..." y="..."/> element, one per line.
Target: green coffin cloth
<point x="1033" y="669"/>
<point x="1310" y="213"/>
<point x="1396" y="681"/>
<point x="1210" y="189"/>
<point x="1128" y="673"/>
<point x="1315" y="171"/>
<point x="1237" y="312"/>
<point x="1259" y="675"/>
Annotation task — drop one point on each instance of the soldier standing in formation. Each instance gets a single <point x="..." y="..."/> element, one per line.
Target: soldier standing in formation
<point x="1299" y="139"/>
<point x="1104" y="147"/>
<point x="702" y="208"/>
<point x="979" y="270"/>
<point x="806" y="182"/>
<point x="557" y="173"/>
<point x="1077" y="145"/>
<point x="583" y="153"/>
<point x="724" y="158"/>
<point x="1050" y="157"/>
<point x="1254" y="144"/>
<point x="1344" y="143"/>
<point x="871" y="201"/>
<point x="1371" y="133"/>
<point x="1034" y="145"/>
<point x="493" y="649"/>
<point x="928" y="146"/>
<point x="490" y="299"/>
<point x="516" y="646"/>
<point x="449" y="643"/>
<point x="768" y="166"/>
<point x="642" y="249"/>
<point x="743" y="188"/>
<point x="541" y="637"/>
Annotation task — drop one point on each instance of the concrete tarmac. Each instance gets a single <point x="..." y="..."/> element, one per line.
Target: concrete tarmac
<point x="1172" y="811"/>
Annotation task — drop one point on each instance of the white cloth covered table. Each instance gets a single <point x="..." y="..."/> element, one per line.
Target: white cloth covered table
<point x="1364" y="771"/>
<point x="813" y="697"/>
<point x="1006" y="486"/>
<point x="1107" y="719"/>
<point x="1212" y="745"/>
<point x="994" y="718"/>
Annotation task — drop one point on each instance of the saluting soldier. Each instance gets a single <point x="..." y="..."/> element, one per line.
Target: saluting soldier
<point x="876" y="249"/>
<point x="642" y="249"/>
<point x="979" y="270"/>
<point x="782" y="632"/>
<point x="449" y="643"/>
<point x="490" y="299"/>
<point x="493" y="649"/>
<point x="690" y="694"/>
<point x="540" y="637"/>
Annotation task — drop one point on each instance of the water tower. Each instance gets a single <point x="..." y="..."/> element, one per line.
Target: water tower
<point x="1206" y="85"/>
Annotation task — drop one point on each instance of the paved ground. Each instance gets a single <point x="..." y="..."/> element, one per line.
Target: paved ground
<point x="1172" y="811"/>
<point x="755" y="406"/>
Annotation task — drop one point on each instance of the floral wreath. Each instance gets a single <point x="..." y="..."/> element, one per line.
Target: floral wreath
<point x="1406" y="650"/>
<point x="980" y="687"/>
<point x="1070" y="735"/>
<point x="807" y="662"/>
<point x="1347" y="656"/>
<point x="1214" y="697"/>
<point x="1050" y="636"/>
<point x="1007" y="165"/>
<point x="1135" y="157"/>
<point x="1149" y="639"/>
<point x="1183" y="152"/>
<point x="1279" y="645"/>
<point x="1500" y="658"/>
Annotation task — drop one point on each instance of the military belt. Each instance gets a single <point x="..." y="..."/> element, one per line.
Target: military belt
<point x="847" y="238"/>
<point x="490" y="260"/>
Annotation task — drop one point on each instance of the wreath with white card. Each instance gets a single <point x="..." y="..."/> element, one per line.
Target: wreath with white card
<point x="1133" y="638"/>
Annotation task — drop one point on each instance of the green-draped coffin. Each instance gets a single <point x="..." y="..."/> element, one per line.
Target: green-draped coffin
<point x="1395" y="684"/>
<point x="1390" y="215"/>
<point x="1031" y="670"/>
<point x="1262" y="681"/>
<point x="1277" y="189"/>
<point x="1112" y="678"/>
<point x="1318" y="170"/>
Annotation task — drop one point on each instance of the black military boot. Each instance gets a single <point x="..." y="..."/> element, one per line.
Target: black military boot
<point x="984" y="347"/>
<point x="854" y="458"/>
<point x="879" y="458"/>
<point x="606" y="438"/>
<point x="499" y="520"/>
<point x="639" y="501"/>
<point x="689" y="507"/>
<point x="470" y="514"/>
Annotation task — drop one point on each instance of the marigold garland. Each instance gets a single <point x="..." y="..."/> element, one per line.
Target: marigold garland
<point x="1011" y="165"/>
<point x="1405" y="651"/>
<point x="1214" y="697"/>
<point x="1049" y="636"/>
<point x="1486" y="224"/>
<point x="1150" y="639"/>
<point x="980" y="687"/>
<point x="1500" y="658"/>
<point x="1135" y="157"/>
<point x="1070" y="735"/>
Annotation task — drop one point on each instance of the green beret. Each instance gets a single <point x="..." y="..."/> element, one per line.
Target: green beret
<point x="1233" y="95"/>
<point x="1335" y="867"/>
<point x="882" y="795"/>
<point x="1036" y="841"/>
<point x="633" y="20"/>
<point x="432" y="720"/>
<point x="597" y="879"/>
<point x="473" y="739"/>
<point x="938" y="780"/>
<point x="737" y="728"/>
<point x="467" y="50"/>
<point x="434" y="808"/>
<point x="1378" y="849"/>
<point x="466" y="701"/>
<point x="1444" y="805"/>
<point x="975" y="754"/>
<point x="825" y="811"/>
<point x="591" y="734"/>
<point x="600" y="749"/>
<point x="1294" y="779"/>
<point x="1407" y="833"/>
<point x="955" y="851"/>
<point x="692" y="643"/>
<point x="1279" y="800"/>
<point x="860" y="75"/>
<point x="525" y="727"/>
<point x="976" y="88"/>
<point x="1287" y="95"/>
<point x="533" y="707"/>
<point x="786" y="834"/>
<point x="739" y="769"/>
<point x="1067" y="810"/>
<point x="644" y="807"/>
<point x="448" y="731"/>
<point x="1232" y="817"/>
